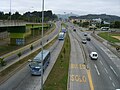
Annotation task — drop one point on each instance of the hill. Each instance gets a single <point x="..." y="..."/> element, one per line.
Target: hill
<point x="108" y="18"/>
<point x="66" y="16"/>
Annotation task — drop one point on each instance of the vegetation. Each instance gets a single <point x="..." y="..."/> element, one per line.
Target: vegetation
<point x="57" y="79"/>
<point x="18" y="65"/>
<point x="29" y="16"/>
<point x="29" y="39"/>
<point x="2" y="62"/>
<point x="108" y="36"/>
<point x="82" y="24"/>
<point x="108" y="18"/>
<point x="113" y="20"/>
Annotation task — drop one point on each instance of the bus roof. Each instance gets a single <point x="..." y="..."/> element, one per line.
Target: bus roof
<point x="39" y="55"/>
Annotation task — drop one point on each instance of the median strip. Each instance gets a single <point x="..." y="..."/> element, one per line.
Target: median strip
<point x="58" y="77"/>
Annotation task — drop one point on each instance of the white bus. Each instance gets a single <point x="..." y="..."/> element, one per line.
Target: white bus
<point x="104" y="28"/>
<point x="35" y="64"/>
<point x="61" y="36"/>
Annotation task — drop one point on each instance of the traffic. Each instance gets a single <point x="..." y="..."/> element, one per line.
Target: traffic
<point x="91" y="65"/>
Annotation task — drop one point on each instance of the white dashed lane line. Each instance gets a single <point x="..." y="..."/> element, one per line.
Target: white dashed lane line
<point x="97" y="69"/>
<point x="110" y="78"/>
<point x="114" y="71"/>
<point x="113" y="84"/>
<point x="101" y="62"/>
<point x="106" y="70"/>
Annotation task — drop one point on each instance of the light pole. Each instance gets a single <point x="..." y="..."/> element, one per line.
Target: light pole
<point x="10" y="11"/>
<point x="42" y="45"/>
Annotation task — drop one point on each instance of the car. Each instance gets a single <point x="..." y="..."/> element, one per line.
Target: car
<point x="85" y="34"/>
<point x="74" y="30"/>
<point x="84" y="41"/>
<point x="88" y="38"/>
<point x="94" y="55"/>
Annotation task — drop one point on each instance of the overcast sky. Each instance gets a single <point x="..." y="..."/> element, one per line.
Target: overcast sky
<point x="80" y="7"/>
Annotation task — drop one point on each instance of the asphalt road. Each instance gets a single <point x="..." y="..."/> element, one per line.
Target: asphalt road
<point x="14" y="57"/>
<point x="78" y="78"/>
<point x="22" y="80"/>
<point x="105" y="74"/>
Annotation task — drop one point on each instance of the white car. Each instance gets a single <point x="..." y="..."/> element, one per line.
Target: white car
<point x="94" y="55"/>
<point x="84" y="41"/>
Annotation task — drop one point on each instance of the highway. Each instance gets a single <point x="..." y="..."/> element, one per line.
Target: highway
<point x="78" y="78"/>
<point x="12" y="56"/>
<point x="83" y="74"/>
<point x="23" y="80"/>
<point x="105" y="74"/>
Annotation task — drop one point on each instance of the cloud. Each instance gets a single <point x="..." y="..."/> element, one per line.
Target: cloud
<point x="61" y="6"/>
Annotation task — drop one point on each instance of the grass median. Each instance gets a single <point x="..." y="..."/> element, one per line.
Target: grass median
<point x="110" y="36"/>
<point x="58" y="77"/>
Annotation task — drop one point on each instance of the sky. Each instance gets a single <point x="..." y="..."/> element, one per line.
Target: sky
<point x="79" y="7"/>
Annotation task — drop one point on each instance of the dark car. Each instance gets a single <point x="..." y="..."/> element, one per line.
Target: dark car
<point x="74" y="30"/>
<point x="85" y="34"/>
<point x="88" y="38"/>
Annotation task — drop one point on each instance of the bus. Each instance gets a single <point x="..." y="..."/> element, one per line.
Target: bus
<point x="61" y="36"/>
<point x="35" y="64"/>
<point x="104" y="28"/>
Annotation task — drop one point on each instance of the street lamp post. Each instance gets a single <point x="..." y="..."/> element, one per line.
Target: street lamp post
<point x="42" y="45"/>
<point x="10" y="12"/>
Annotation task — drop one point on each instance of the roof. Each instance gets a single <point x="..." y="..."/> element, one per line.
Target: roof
<point x="94" y="52"/>
<point x="39" y="55"/>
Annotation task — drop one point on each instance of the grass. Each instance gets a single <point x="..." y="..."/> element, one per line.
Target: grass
<point x="108" y="36"/>
<point x="17" y="66"/>
<point x="57" y="79"/>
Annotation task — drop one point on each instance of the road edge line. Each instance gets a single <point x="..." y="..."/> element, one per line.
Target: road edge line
<point x="90" y="80"/>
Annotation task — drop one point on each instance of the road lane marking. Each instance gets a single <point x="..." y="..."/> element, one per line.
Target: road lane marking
<point x="90" y="79"/>
<point x="110" y="78"/>
<point x="113" y="84"/>
<point x="101" y="62"/>
<point x="114" y="71"/>
<point x="106" y="70"/>
<point x="97" y="69"/>
<point x="76" y="66"/>
<point x="78" y="78"/>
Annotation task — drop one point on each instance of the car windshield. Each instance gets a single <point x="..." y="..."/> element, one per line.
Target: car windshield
<point x="35" y="64"/>
<point x="94" y="54"/>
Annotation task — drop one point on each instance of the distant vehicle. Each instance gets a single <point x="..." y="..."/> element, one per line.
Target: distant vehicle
<point x="118" y="48"/>
<point x="74" y="30"/>
<point x="113" y="30"/>
<point x="61" y="36"/>
<point x="85" y="34"/>
<point x="64" y="30"/>
<point x="84" y="41"/>
<point x="94" y="55"/>
<point x="35" y="64"/>
<point x="88" y="38"/>
<point x="104" y="28"/>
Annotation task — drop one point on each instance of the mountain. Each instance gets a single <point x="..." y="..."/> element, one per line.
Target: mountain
<point x="108" y="18"/>
<point x="66" y="16"/>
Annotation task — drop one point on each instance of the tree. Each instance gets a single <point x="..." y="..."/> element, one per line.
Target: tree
<point x="117" y="24"/>
<point x="2" y="62"/>
<point x="85" y="24"/>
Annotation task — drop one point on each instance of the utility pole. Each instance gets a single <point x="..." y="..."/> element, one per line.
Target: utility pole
<point x="10" y="12"/>
<point x="42" y="44"/>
